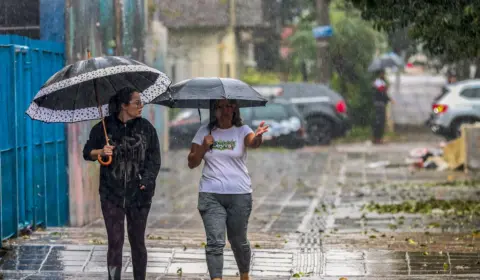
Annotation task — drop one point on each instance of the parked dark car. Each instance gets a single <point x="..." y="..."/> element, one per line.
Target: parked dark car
<point x="287" y="126"/>
<point x="324" y="110"/>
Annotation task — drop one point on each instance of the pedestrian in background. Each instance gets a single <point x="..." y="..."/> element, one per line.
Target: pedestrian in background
<point x="225" y="198"/>
<point x="451" y="77"/>
<point x="127" y="185"/>
<point x="380" y="102"/>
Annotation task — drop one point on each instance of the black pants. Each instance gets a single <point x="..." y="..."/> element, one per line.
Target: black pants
<point x="378" y="126"/>
<point x="114" y="217"/>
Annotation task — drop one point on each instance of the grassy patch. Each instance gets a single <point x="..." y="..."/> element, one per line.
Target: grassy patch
<point x="362" y="134"/>
<point x="454" y="183"/>
<point x="444" y="183"/>
<point x="450" y="207"/>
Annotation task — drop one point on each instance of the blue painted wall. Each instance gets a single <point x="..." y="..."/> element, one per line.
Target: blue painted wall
<point x="33" y="175"/>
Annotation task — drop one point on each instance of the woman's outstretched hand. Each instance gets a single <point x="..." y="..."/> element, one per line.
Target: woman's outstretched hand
<point x="261" y="129"/>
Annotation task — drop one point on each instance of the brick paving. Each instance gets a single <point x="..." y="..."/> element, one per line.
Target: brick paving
<point x="306" y="222"/>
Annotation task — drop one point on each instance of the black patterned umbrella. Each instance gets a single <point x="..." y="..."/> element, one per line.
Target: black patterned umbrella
<point x="81" y="91"/>
<point x="76" y="92"/>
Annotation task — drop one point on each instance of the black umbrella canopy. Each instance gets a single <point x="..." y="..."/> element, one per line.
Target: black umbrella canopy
<point x="198" y="92"/>
<point x="385" y="61"/>
<point x="70" y="95"/>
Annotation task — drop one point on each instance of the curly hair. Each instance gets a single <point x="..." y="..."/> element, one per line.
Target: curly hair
<point x="236" y="119"/>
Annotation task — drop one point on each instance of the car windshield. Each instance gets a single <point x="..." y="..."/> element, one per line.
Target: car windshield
<point x="271" y="112"/>
<point x="191" y="114"/>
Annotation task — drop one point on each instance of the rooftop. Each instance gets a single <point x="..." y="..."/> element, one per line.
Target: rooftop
<point x="210" y="13"/>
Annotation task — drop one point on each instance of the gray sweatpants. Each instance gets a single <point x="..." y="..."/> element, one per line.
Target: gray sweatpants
<point x="230" y="212"/>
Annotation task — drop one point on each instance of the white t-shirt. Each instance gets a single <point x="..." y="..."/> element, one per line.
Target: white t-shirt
<point x="225" y="171"/>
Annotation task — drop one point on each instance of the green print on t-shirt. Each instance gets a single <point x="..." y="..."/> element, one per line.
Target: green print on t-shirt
<point x="224" y="145"/>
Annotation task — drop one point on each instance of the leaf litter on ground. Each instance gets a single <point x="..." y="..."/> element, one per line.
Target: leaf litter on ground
<point x="450" y="207"/>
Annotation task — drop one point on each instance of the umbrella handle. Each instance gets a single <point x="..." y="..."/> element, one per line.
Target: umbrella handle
<point x="99" y="157"/>
<point x="104" y="163"/>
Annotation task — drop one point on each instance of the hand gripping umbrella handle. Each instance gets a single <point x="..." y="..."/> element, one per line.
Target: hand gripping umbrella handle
<point x="99" y="157"/>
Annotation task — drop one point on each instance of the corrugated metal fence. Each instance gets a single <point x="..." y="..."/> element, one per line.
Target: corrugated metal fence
<point x="33" y="159"/>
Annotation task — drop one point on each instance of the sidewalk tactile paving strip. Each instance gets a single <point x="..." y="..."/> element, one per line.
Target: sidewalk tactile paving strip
<point x="308" y="261"/>
<point x="332" y="242"/>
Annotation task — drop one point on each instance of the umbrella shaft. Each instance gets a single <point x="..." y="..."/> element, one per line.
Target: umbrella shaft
<point x="100" y="111"/>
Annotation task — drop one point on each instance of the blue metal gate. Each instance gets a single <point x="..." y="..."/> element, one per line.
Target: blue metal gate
<point x="33" y="155"/>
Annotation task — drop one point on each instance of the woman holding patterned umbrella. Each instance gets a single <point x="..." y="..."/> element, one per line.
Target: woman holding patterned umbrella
<point x="125" y="144"/>
<point x="128" y="184"/>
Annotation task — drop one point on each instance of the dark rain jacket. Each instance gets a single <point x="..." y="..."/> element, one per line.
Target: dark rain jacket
<point x="136" y="160"/>
<point x="380" y="95"/>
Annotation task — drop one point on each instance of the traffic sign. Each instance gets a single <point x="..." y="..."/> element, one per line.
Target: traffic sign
<point x="322" y="31"/>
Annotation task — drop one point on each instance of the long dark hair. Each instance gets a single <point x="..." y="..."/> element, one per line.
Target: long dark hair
<point x="236" y="118"/>
<point x="123" y="96"/>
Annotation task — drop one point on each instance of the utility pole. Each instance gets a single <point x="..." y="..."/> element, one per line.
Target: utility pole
<point x="231" y="29"/>
<point x="390" y="118"/>
<point x="323" y="55"/>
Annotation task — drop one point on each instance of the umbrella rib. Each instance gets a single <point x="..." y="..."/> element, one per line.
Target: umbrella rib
<point x="75" y="102"/>
<point x="113" y="87"/>
<point x="133" y="81"/>
<point x="140" y="74"/>
<point x="223" y="88"/>
<point x="53" y="110"/>
<point x="124" y="76"/>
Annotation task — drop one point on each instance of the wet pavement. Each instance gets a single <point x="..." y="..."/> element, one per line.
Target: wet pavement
<point x="77" y="262"/>
<point x="313" y="217"/>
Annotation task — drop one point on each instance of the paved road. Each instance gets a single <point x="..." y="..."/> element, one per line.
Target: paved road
<point x="306" y="221"/>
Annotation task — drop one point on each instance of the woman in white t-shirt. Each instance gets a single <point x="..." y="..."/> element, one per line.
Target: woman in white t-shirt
<point x="225" y="198"/>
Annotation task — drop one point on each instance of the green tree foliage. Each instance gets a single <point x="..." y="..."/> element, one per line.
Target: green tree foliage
<point x="254" y="77"/>
<point x="445" y="28"/>
<point x="352" y="48"/>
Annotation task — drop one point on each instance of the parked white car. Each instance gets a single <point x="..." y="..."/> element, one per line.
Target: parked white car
<point x="458" y="104"/>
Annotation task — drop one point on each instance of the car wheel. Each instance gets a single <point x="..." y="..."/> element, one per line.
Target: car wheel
<point x="456" y="126"/>
<point x="319" y="130"/>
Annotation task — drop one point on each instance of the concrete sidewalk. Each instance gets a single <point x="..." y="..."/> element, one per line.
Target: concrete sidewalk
<point x="309" y="220"/>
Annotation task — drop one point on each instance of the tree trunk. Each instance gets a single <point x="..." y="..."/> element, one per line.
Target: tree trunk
<point x="304" y="71"/>
<point x="477" y="68"/>
<point x="118" y="27"/>
<point x="323" y="58"/>
<point x="343" y="88"/>
<point x="466" y="69"/>
<point x="463" y="70"/>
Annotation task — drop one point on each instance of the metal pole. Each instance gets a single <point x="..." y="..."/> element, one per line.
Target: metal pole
<point x="323" y="56"/>
<point x="30" y="199"/>
<point x="390" y="118"/>
<point x="19" y="194"/>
